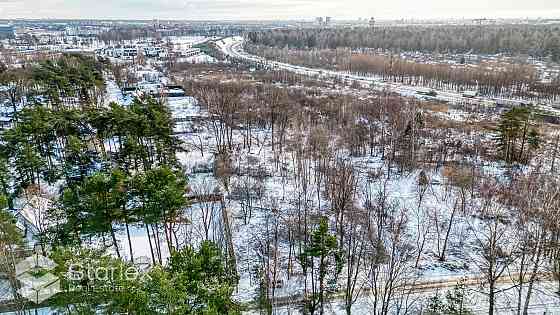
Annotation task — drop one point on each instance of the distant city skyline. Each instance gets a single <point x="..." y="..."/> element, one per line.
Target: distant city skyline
<point x="276" y="9"/>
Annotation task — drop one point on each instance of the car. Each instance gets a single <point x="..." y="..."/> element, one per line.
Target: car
<point x="470" y="94"/>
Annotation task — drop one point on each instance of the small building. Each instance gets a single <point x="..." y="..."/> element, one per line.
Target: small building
<point x="153" y="52"/>
<point x="174" y="91"/>
<point x="190" y="52"/>
<point x="31" y="215"/>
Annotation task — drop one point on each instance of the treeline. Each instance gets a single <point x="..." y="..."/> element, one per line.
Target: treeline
<point x="68" y="80"/>
<point x="492" y="79"/>
<point x="127" y="33"/>
<point x="391" y="127"/>
<point x="534" y="40"/>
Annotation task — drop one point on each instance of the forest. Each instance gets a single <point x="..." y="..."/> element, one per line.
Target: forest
<point x="280" y="191"/>
<point x="534" y="40"/>
<point x="339" y="216"/>
<point x="495" y="79"/>
<point x="105" y="168"/>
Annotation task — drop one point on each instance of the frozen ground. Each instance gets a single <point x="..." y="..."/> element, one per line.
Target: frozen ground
<point x="544" y="303"/>
<point x="276" y="207"/>
<point x="280" y="193"/>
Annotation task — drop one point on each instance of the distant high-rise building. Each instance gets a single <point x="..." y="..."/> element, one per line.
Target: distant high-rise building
<point x="323" y="20"/>
<point x="371" y="22"/>
<point x="484" y="21"/>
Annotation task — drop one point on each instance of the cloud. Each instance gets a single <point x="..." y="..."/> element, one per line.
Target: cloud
<point x="273" y="9"/>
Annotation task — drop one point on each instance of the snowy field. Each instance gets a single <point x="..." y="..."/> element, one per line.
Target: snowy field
<point x="254" y="219"/>
<point x="280" y="192"/>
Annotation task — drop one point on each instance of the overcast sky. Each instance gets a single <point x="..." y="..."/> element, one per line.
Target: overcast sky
<point x="276" y="9"/>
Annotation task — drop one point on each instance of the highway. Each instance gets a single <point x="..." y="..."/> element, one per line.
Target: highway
<point x="233" y="47"/>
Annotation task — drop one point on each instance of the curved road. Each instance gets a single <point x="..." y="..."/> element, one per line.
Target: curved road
<point x="233" y="47"/>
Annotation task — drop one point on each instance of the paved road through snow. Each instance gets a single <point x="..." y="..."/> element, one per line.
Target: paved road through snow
<point x="233" y="47"/>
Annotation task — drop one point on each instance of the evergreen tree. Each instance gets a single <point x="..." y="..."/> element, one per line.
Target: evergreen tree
<point x="96" y="204"/>
<point x="454" y="303"/>
<point x="10" y="235"/>
<point x="194" y="282"/>
<point x="323" y="248"/>
<point x="457" y="299"/>
<point x="515" y="133"/>
<point x="435" y="305"/>
<point x="95" y="282"/>
<point x="161" y="195"/>
<point x="5" y="178"/>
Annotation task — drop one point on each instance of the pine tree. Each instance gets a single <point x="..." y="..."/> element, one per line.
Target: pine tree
<point x="161" y="192"/>
<point x="515" y="131"/>
<point x="457" y="300"/>
<point x="96" y="204"/>
<point x="323" y="247"/>
<point x="10" y="235"/>
<point x="454" y="304"/>
<point x="435" y="305"/>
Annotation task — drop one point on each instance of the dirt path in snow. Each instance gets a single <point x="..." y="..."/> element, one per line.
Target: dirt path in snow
<point x="422" y="287"/>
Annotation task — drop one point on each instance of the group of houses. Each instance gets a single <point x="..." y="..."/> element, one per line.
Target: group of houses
<point x="132" y="51"/>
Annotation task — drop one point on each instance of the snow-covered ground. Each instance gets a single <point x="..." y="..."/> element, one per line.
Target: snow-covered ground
<point x="280" y="192"/>
<point x="544" y="303"/>
<point x="276" y="207"/>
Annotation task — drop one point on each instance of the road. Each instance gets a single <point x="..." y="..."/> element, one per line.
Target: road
<point x="233" y="47"/>
<point x="472" y="282"/>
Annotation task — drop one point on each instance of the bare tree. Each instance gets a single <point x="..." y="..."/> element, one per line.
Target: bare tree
<point x="341" y="186"/>
<point x="390" y="264"/>
<point x="357" y="251"/>
<point x="422" y="218"/>
<point x="495" y="251"/>
<point x="209" y="209"/>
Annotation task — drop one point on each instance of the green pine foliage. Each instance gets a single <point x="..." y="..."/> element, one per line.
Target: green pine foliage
<point x="116" y="166"/>
<point x="195" y="281"/>
<point x="321" y="255"/>
<point x="517" y="134"/>
<point x="52" y="144"/>
<point x="454" y="303"/>
<point x="10" y="235"/>
<point x="69" y="80"/>
<point x="161" y="192"/>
